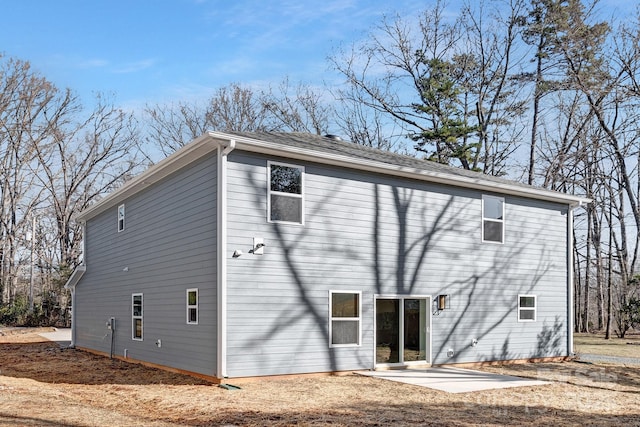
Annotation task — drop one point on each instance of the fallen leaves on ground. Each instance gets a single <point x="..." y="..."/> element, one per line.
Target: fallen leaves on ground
<point x="42" y="384"/>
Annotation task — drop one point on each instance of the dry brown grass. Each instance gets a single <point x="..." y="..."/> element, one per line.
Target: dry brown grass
<point x="628" y="346"/>
<point x="41" y="384"/>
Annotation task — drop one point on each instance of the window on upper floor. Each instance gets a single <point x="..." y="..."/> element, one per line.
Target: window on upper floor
<point x="286" y="196"/>
<point x="345" y="318"/>
<point x="120" y="218"/>
<point x="136" y="316"/>
<point x="192" y="306"/>
<point x="493" y="219"/>
<point x="527" y="306"/>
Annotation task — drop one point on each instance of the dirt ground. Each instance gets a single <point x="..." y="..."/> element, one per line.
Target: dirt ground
<point x="43" y="385"/>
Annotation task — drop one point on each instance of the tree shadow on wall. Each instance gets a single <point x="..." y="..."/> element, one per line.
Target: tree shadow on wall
<point x="550" y="339"/>
<point x="549" y="343"/>
<point x="479" y="289"/>
<point x="385" y="239"/>
<point x="411" y="252"/>
<point x="403" y="215"/>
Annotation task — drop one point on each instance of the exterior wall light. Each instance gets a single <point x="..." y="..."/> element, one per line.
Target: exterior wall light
<point x="443" y="302"/>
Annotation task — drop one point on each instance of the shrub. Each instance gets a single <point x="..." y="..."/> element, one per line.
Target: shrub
<point x="15" y="313"/>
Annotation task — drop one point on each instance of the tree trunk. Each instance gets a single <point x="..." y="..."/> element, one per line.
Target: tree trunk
<point x="597" y="223"/>
<point x="609" y="271"/>
<point x="577" y="290"/>
<point x="587" y="276"/>
<point x="537" y="95"/>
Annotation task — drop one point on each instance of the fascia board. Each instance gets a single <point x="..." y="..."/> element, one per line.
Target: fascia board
<point x="75" y="276"/>
<point x="264" y="147"/>
<point x="211" y="140"/>
<point x="187" y="154"/>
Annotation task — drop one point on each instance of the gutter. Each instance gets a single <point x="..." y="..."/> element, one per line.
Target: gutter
<point x="276" y="149"/>
<point x="211" y="141"/>
<point x="221" y="354"/>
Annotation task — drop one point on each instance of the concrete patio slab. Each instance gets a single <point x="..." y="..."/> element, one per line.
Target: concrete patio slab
<point x="453" y="380"/>
<point x="62" y="336"/>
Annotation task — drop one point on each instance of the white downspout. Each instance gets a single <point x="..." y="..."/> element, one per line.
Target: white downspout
<point x="71" y="285"/>
<point x="83" y="225"/>
<point x="73" y="318"/>
<point x="223" y="152"/>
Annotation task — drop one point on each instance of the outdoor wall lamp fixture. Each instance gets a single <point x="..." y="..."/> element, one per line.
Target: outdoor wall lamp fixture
<point x="440" y="303"/>
<point x="443" y="302"/>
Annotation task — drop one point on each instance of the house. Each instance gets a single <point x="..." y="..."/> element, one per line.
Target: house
<point x="253" y="254"/>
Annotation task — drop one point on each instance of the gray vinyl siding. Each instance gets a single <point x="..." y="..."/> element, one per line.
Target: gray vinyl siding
<point x="386" y="236"/>
<point x="168" y="246"/>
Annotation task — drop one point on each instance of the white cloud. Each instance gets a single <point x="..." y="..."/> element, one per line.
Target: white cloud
<point x="93" y="63"/>
<point x="134" y="67"/>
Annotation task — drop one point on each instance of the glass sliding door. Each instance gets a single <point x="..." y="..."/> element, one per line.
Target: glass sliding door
<point x="402" y="330"/>
<point x="415" y="337"/>
<point x="387" y="326"/>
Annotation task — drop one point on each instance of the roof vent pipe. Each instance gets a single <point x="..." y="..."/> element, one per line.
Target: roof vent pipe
<point x="334" y="137"/>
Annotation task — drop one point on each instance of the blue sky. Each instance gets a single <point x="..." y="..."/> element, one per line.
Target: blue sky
<point x="146" y="51"/>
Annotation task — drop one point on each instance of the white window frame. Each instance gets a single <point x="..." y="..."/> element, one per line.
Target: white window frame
<point x="193" y="307"/>
<point x="497" y="221"/>
<point x="136" y="317"/>
<point x="293" y="195"/>
<point x="534" y="308"/>
<point x="121" y="215"/>
<point x="351" y="319"/>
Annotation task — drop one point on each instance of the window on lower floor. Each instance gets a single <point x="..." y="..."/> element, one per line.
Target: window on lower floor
<point x="527" y="306"/>
<point x="345" y="318"/>
<point x="192" y="306"/>
<point x="136" y="316"/>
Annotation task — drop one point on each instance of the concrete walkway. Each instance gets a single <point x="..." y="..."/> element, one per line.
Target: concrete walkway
<point x="62" y="336"/>
<point x="599" y="358"/>
<point x="453" y="380"/>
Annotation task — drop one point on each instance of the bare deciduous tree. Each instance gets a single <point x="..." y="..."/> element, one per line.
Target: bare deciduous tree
<point x="25" y="101"/>
<point x="82" y="162"/>
<point x="172" y="126"/>
<point x="237" y="108"/>
<point x="53" y="164"/>
<point x="444" y="82"/>
<point x="297" y="109"/>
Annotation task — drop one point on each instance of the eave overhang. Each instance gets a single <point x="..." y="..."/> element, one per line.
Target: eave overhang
<point x="75" y="277"/>
<point x="191" y="152"/>
<point x="210" y="141"/>
<point x="478" y="183"/>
